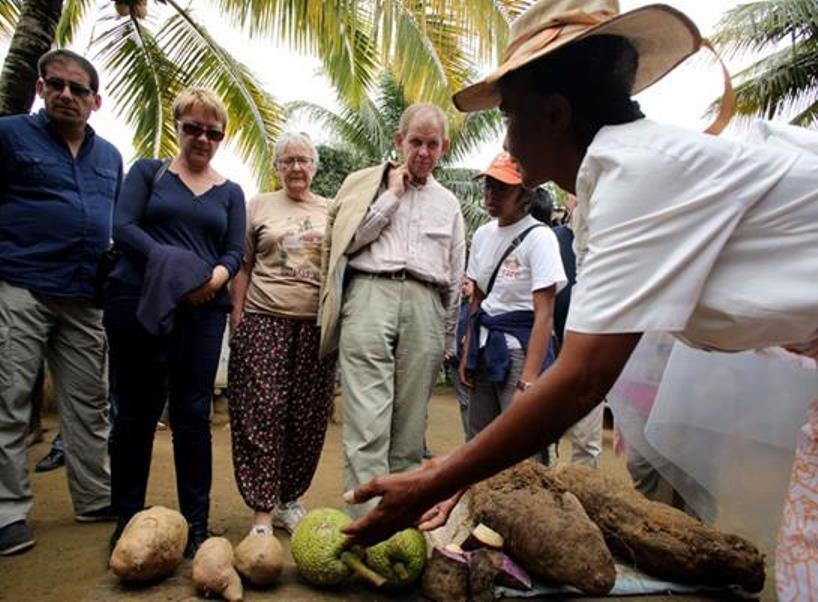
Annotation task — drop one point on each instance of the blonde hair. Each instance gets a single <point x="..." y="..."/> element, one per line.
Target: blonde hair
<point x="203" y="97"/>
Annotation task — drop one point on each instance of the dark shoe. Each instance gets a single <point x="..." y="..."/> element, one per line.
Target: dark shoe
<point x="54" y="459"/>
<point x="101" y="515"/>
<point x="120" y="527"/>
<point x="195" y="537"/>
<point x="15" y="538"/>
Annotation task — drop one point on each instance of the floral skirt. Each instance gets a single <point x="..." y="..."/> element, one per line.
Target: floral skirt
<point x="280" y="403"/>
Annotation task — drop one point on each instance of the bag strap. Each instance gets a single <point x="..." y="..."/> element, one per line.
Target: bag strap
<point x="513" y="245"/>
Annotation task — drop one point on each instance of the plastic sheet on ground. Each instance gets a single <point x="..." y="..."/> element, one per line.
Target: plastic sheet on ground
<point x="629" y="582"/>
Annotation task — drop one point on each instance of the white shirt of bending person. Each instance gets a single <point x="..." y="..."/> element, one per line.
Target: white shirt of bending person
<point x="712" y="240"/>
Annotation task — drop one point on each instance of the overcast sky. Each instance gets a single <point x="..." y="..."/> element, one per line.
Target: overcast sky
<point x="680" y="98"/>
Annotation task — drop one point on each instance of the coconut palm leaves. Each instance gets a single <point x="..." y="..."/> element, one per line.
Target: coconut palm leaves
<point x="785" y="81"/>
<point x="369" y="129"/>
<point x="432" y="46"/>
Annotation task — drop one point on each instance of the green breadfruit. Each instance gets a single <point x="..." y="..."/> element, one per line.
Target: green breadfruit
<point x="400" y="558"/>
<point x="320" y="553"/>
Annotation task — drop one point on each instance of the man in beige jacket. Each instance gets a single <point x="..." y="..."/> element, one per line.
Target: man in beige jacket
<point x="394" y="253"/>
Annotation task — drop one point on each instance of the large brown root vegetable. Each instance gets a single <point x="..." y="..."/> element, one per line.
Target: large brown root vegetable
<point x="151" y="546"/>
<point x="446" y="578"/>
<point x="661" y="540"/>
<point x="259" y="558"/>
<point x="213" y="571"/>
<point x="545" y="530"/>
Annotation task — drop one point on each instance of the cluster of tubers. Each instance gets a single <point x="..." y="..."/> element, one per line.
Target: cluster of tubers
<point x="565" y="525"/>
<point x="152" y="547"/>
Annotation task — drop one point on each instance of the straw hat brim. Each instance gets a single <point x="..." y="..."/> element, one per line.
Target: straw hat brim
<point x="662" y="36"/>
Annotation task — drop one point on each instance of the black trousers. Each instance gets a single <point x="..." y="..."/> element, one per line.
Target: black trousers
<point x="146" y="371"/>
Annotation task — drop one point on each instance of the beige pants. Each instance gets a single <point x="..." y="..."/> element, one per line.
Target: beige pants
<point x="69" y="334"/>
<point x="390" y="352"/>
<point x="586" y="438"/>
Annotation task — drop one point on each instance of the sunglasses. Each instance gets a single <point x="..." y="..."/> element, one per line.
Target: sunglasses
<point x="191" y="129"/>
<point x="57" y="84"/>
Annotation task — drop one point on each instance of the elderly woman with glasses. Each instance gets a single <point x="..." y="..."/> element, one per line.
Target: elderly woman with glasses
<point x="280" y="392"/>
<point x="179" y="225"/>
<point x="516" y="267"/>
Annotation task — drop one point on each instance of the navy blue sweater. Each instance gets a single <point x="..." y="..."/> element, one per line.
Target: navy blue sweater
<point x="210" y="225"/>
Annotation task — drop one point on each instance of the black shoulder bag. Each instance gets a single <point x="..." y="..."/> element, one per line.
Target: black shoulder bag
<point x="110" y="256"/>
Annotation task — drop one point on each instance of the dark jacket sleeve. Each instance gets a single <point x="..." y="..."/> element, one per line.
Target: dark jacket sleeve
<point x="130" y="210"/>
<point x="234" y="238"/>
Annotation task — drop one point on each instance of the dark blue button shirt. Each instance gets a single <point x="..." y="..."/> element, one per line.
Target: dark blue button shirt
<point x="168" y="213"/>
<point x="55" y="209"/>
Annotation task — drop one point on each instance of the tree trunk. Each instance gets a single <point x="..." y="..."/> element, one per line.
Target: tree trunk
<point x="33" y="37"/>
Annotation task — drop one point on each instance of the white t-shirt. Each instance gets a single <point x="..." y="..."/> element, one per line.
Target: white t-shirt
<point x="535" y="264"/>
<point x="713" y="240"/>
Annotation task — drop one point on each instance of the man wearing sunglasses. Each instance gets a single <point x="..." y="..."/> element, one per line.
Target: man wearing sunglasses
<point x="58" y="183"/>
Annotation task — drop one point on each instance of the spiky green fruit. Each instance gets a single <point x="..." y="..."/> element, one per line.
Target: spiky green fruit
<point x="319" y="550"/>
<point x="400" y="559"/>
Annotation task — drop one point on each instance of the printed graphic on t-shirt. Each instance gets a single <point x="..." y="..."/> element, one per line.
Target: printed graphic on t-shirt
<point x="299" y="249"/>
<point x="512" y="269"/>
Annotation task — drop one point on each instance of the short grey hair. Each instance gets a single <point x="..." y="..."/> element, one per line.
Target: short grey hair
<point x="296" y="139"/>
<point x="423" y="109"/>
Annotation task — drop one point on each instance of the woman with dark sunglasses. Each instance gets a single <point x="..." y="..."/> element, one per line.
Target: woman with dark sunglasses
<point x="180" y="228"/>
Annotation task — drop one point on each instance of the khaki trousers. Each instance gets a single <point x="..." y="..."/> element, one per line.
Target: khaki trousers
<point x="69" y="334"/>
<point x="390" y="352"/>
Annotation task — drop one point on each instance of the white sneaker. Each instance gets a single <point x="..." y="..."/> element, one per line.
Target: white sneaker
<point x="288" y="516"/>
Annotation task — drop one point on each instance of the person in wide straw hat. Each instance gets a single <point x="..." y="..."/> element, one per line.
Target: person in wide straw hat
<point x="709" y="239"/>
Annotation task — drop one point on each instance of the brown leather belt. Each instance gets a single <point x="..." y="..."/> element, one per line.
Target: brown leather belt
<point x="399" y="275"/>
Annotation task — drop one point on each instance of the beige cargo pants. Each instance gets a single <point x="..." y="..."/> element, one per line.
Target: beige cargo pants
<point x="69" y="334"/>
<point x="390" y="353"/>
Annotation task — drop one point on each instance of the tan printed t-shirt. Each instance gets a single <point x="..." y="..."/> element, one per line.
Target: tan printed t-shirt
<point x="283" y="245"/>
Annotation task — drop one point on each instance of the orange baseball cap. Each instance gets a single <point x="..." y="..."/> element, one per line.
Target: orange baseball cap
<point x="505" y="168"/>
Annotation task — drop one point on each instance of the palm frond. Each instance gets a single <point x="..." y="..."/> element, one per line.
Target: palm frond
<point x="473" y="131"/>
<point x="808" y="117"/>
<point x="757" y="26"/>
<point x="73" y="13"/>
<point x="353" y="129"/>
<point x="143" y="82"/>
<point x="780" y="83"/>
<point x="255" y="119"/>
<point x="9" y="14"/>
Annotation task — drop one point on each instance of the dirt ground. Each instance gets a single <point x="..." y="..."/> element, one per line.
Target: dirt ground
<point x="69" y="561"/>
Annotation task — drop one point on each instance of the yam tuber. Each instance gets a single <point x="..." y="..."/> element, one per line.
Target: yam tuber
<point x="545" y="530"/>
<point x="661" y="540"/>
<point x="213" y="571"/>
<point x="151" y="545"/>
<point x="446" y="578"/>
<point x="259" y="559"/>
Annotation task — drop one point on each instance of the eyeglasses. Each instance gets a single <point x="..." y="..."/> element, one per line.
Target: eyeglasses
<point x="191" y="129"/>
<point x="497" y="187"/>
<point x="289" y="162"/>
<point x="57" y="84"/>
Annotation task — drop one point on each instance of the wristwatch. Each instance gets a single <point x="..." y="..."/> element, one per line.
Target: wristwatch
<point x="523" y="385"/>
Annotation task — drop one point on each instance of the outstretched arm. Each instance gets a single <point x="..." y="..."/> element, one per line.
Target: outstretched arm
<point x="588" y="366"/>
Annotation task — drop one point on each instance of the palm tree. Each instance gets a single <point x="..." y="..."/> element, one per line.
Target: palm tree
<point x="784" y="83"/>
<point x="33" y="25"/>
<point x="432" y="46"/>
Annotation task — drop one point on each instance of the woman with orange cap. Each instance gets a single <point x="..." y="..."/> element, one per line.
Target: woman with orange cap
<point x="516" y="267"/>
<point x="709" y="239"/>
